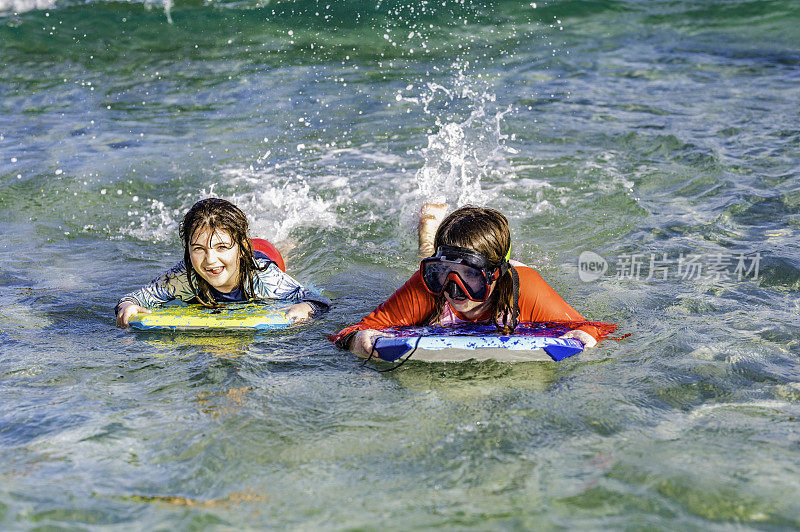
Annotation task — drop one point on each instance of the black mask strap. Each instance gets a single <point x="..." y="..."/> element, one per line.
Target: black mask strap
<point x="515" y="292"/>
<point x="503" y="268"/>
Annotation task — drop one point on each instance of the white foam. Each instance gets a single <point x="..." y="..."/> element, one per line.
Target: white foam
<point x="277" y="205"/>
<point x="460" y="153"/>
<point x="274" y="206"/>
<point x="21" y="6"/>
<point x="159" y="223"/>
<point x="677" y="424"/>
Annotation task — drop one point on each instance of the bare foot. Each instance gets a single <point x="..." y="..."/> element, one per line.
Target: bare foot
<point x="430" y="216"/>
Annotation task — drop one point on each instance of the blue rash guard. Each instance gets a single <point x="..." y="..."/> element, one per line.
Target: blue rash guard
<point x="268" y="284"/>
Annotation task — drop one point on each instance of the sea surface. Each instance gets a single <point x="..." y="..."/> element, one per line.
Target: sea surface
<point x="646" y="153"/>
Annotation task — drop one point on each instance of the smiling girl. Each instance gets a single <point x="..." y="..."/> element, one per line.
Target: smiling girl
<point x="224" y="266"/>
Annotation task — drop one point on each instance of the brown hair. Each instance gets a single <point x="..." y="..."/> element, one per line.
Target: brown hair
<point x="486" y="231"/>
<point x="216" y="215"/>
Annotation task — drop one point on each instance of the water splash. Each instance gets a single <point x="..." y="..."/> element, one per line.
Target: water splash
<point x="158" y="223"/>
<point x="168" y="10"/>
<point x="276" y="206"/>
<point x="467" y="145"/>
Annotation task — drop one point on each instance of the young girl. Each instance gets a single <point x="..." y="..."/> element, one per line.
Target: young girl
<point x="469" y="279"/>
<point x="221" y="264"/>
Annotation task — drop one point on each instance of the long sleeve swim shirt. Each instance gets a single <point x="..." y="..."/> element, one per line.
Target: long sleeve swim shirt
<point x="412" y="305"/>
<point x="270" y="283"/>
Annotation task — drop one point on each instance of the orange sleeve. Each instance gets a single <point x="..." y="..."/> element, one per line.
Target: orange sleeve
<point x="411" y="304"/>
<point x="538" y="302"/>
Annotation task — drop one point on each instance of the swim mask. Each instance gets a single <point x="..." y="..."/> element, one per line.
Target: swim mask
<point x="468" y="270"/>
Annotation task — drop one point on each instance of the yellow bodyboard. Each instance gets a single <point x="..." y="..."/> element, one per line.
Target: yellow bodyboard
<point x="242" y="316"/>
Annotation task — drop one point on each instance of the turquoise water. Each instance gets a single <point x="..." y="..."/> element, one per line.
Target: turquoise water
<point x="661" y="130"/>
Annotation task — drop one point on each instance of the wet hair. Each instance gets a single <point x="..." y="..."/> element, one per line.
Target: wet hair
<point x="217" y="215"/>
<point x="486" y="231"/>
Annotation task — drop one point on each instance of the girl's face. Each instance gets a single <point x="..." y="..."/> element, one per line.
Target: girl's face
<point x="215" y="257"/>
<point x="468" y="308"/>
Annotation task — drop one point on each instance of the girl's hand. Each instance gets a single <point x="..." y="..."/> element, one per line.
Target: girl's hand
<point x="582" y="336"/>
<point x="128" y="309"/>
<point x="363" y="342"/>
<point x="299" y="312"/>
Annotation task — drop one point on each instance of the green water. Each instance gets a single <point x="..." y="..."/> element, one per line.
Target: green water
<point x="661" y="129"/>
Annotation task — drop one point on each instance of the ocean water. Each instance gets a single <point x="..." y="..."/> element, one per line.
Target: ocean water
<point x="647" y="155"/>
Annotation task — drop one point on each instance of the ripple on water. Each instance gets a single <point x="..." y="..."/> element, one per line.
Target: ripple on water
<point x="622" y="127"/>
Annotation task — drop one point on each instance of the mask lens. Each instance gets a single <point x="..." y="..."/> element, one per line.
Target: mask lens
<point x="434" y="275"/>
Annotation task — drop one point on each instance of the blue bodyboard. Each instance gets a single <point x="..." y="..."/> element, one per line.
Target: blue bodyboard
<point x="529" y="343"/>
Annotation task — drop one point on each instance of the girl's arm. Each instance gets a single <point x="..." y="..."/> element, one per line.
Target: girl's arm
<point x="539" y="302"/>
<point x="273" y="283"/>
<point x="172" y="284"/>
<point x="125" y="310"/>
<point x="411" y="304"/>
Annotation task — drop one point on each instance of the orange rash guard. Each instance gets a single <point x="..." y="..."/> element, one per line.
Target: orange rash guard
<point x="412" y="304"/>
